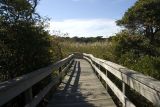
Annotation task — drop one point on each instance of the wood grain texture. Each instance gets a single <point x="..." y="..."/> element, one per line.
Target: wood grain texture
<point x="125" y="101"/>
<point x="144" y="85"/>
<point x="81" y="88"/>
<point x="12" y="88"/>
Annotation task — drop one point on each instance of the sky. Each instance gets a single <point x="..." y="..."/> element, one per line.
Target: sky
<point x="84" y="18"/>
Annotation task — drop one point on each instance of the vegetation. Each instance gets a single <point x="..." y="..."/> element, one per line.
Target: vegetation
<point x="143" y="18"/>
<point x="24" y="44"/>
<point x="132" y="51"/>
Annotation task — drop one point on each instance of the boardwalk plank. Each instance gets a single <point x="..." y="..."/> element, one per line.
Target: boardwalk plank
<point x="81" y="88"/>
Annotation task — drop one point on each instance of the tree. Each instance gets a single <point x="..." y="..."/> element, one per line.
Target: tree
<point x="143" y="17"/>
<point x="24" y="44"/>
<point x="18" y="10"/>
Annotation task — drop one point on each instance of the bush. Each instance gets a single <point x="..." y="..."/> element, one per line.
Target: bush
<point x="136" y="52"/>
<point x="148" y="65"/>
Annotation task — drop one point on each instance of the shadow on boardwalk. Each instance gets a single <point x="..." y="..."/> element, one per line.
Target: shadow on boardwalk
<point x="81" y="88"/>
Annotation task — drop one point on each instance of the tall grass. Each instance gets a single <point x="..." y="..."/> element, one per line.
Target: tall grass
<point x="102" y="50"/>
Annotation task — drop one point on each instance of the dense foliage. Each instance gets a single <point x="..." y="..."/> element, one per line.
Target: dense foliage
<point x="140" y="48"/>
<point x="144" y="18"/>
<point x="137" y="53"/>
<point x="24" y="44"/>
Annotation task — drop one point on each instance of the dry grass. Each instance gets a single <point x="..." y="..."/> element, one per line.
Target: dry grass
<point x="99" y="49"/>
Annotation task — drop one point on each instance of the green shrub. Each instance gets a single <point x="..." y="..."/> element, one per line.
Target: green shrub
<point x="148" y="65"/>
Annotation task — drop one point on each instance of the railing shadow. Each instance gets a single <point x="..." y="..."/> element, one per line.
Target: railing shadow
<point x="76" y="81"/>
<point x="71" y="96"/>
<point x="70" y="78"/>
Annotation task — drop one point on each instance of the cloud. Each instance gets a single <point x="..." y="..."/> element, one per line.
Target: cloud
<point x="85" y="27"/>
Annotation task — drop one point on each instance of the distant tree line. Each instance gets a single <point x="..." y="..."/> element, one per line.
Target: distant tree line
<point x="84" y="39"/>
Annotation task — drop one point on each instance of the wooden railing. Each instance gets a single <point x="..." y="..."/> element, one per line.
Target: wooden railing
<point x="146" y="86"/>
<point x="12" y="88"/>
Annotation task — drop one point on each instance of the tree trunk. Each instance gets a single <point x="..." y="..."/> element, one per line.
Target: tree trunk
<point x="150" y="34"/>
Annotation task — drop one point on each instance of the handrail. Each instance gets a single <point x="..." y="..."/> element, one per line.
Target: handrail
<point x="144" y="85"/>
<point x="10" y="89"/>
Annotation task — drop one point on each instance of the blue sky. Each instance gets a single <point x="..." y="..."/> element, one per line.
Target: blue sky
<point x="84" y="17"/>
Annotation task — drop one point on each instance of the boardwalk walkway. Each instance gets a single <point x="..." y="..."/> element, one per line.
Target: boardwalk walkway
<point x="81" y="88"/>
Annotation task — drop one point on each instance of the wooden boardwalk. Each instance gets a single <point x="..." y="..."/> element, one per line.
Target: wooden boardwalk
<point x="81" y="88"/>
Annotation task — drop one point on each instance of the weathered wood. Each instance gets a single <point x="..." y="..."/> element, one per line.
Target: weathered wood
<point x="107" y="77"/>
<point x="144" y="85"/>
<point x="12" y="88"/>
<point x="81" y="88"/>
<point x="117" y="92"/>
<point x="41" y="95"/>
<point x="54" y="82"/>
<point x="64" y="71"/>
<point x="124" y="92"/>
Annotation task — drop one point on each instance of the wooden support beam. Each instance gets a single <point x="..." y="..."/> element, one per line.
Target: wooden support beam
<point x="124" y="92"/>
<point x="28" y="95"/>
<point x="106" y="77"/>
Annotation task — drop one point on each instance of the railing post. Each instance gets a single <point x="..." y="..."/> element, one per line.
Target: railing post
<point x="107" y="77"/>
<point x="124" y="92"/>
<point x="99" y="67"/>
<point x="65" y="64"/>
<point x="51" y="91"/>
<point x="95" y="65"/>
<point x="60" y="76"/>
<point x="28" y="95"/>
